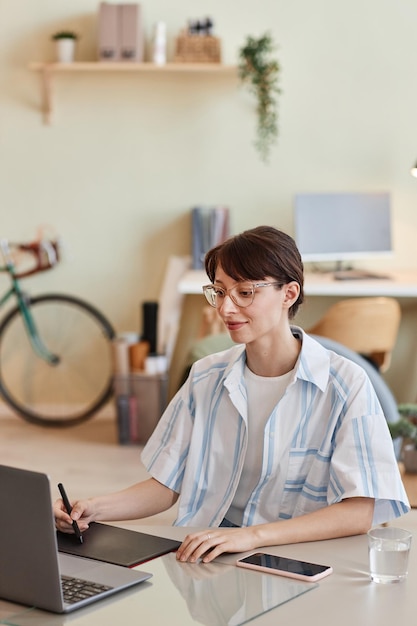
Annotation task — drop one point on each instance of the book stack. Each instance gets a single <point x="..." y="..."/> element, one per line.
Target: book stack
<point x="210" y="226"/>
<point x="120" y="32"/>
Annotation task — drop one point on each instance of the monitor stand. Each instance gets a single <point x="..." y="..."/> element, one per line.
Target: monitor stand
<point x="350" y="273"/>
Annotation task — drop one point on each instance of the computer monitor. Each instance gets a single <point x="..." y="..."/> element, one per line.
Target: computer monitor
<point x="342" y="226"/>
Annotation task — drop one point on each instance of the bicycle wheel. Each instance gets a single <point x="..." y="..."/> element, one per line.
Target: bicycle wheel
<point x="72" y="390"/>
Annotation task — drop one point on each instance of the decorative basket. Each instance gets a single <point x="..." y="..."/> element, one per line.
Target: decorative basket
<point x="197" y="49"/>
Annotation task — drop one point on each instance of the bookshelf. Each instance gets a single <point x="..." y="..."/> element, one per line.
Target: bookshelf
<point x="48" y="70"/>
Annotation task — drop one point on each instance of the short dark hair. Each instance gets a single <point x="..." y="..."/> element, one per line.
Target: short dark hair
<point x="258" y="253"/>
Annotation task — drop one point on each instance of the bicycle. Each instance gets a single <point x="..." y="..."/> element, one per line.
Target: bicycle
<point x="56" y="364"/>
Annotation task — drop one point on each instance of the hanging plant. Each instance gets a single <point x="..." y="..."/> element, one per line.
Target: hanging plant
<point x="260" y="72"/>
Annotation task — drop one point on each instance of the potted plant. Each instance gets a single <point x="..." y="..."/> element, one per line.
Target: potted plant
<point x="65" y="45"/>
<point x="406" y="427"/>
<point x="258" y="69"/>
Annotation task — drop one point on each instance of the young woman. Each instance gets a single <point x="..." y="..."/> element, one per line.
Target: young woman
<point x="275" y="440"/>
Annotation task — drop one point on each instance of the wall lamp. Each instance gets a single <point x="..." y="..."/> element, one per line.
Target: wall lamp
<point x="413" y="171"/>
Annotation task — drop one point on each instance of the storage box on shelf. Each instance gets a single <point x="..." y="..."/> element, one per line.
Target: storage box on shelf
<point x="197" y="49"/>
<point x="140" y="401"/>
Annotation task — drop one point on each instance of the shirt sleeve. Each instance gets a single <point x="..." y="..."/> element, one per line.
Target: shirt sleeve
<point x="374" y="474"/>
<point x="165" y="454"/>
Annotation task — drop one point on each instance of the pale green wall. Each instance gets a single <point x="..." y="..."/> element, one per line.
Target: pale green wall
<point x="128" y="155"/>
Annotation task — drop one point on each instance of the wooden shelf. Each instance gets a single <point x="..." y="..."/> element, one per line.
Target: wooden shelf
<point x="47" y="70"/>
<point x="101" y="66"/>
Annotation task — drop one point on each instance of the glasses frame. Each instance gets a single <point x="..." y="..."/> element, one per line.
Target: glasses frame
<point x="228" y="292"/>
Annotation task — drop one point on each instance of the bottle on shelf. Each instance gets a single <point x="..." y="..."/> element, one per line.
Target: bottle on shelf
<point x="159" y="47"/>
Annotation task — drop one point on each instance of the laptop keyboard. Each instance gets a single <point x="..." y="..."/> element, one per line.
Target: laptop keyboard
<point x="76" y="589"/>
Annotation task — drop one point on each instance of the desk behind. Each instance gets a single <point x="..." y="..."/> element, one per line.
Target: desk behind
<point x="402" y="284"/>
<point x="321" y="290"/>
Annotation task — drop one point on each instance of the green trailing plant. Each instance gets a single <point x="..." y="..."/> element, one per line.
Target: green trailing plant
<point x="260" y="71"/>
<point x="406" y="426"/>
<point x="64" y="34"/>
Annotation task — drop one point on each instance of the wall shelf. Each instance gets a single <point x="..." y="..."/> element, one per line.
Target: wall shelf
<point x="47" y="70"/>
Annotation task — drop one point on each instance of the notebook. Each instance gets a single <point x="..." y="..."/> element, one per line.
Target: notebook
<point x="31" y="569"/>
<point x="116" y="545"/>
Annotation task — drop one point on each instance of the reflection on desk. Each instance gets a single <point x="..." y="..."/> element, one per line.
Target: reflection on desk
<point x="212" y="594"/>
<point x="219" y="595"/>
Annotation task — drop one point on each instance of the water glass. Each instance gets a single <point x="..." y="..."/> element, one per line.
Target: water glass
<point x="389" y="548"/>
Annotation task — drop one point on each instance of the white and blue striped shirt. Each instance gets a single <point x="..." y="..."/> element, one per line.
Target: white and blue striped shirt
<point x="326" y="440"/>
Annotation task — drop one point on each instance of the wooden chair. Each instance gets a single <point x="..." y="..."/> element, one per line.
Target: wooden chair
<point x="368" y="326"/>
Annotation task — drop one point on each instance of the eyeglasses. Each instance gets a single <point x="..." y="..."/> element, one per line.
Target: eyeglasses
<point x="242" y="294"/>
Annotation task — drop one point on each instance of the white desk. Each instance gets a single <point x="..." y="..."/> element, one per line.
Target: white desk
<point x="186" y="594"/>
<point x="402" y="284"/>
<point x="320" y="290"/>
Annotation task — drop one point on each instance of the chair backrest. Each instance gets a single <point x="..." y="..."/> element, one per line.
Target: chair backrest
<point x="368" y="326"/>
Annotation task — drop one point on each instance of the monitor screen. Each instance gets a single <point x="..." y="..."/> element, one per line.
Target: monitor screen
<point x="342" y="226"/>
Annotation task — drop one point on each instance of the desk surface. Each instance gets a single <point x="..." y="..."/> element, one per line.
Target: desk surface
<point x="213" y="594"/>
<point x="401" y="284"/>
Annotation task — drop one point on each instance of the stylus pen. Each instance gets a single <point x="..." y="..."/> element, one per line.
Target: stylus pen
<point x="69" y="509"/>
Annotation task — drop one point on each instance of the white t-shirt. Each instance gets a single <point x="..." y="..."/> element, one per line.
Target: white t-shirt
<point x="264" y="393"/>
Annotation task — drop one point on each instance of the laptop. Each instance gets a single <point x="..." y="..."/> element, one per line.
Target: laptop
<point x="32" y="572"/>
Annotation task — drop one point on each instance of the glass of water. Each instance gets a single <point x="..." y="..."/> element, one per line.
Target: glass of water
<point x="389" y="548"/>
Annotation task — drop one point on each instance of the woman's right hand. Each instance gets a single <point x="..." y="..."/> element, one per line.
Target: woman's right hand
<point x="82" y="512"/>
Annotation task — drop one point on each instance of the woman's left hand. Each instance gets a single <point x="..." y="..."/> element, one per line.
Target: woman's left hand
<point x="209" y="544"/>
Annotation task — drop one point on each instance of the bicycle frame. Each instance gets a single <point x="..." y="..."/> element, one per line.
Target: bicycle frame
<point x="23" y="302"/>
